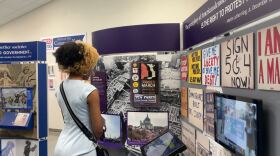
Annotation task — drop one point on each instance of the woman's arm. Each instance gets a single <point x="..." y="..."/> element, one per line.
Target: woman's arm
<point x="97" y="122"/>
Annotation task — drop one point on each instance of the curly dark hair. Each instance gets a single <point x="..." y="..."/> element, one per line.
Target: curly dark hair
<point x="76" y="57"/>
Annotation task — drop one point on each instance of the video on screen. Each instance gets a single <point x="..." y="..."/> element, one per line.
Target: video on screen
<point x="237" y="124"/>
<point x="113" y="128"/>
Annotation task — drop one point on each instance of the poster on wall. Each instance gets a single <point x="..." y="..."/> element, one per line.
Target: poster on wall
<point x="195" y="107"/>
<point x="54" y="42"/>
<point x="237" y="62"/>
<point x="99" y="80"/>
<point x="269" y="58"/>
<point x="209" y="112"/>
<point x="211" y="66"/>
<point x="184" y="98"/>
<point x="145" y="84"/>
<point x="194" y="60"/>
<point x="184" y="67"/>
<point x="188" y="138"/>
<point x="17" y="75"/>
<point x="118" y="70"/>
<point x="15" y="147"/>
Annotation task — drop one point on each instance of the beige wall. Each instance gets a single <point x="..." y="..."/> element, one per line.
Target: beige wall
<point x="61" y="17"/>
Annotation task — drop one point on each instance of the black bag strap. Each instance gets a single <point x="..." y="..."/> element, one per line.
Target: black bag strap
<point x="83" y="128"/>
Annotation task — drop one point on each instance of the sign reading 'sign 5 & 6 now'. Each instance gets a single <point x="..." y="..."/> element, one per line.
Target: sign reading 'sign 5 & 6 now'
<point x="22" y="51"/>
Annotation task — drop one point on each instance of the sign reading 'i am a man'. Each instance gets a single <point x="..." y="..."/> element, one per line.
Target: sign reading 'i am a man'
<point x="269" y="58"/>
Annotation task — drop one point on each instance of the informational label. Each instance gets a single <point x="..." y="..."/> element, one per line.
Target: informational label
<point x="21" y="119"/>
<point x="188" y="138"/>
<point x="269" y="58"/>
<point x="21" y="51"/>
<point x="201" y="151"/>
<point x="194" y="67"/>
<point x="211" y="66"/>
<point x="209" y="111"/>
<point x="184" y="67"/>
<point x="195" y="108"/>
<point x="184" y="98"/>
<point x="238" y="62"/>
<point x="54" y="42"/>
<point x="145" y="83"/>
<point x="220" y="16"/>
<point x="217" y="149"/>
<point x="99" y="80"/>
<point x="203" y="140"/>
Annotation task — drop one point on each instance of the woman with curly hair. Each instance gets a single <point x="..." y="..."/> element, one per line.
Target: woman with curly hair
<point x="77" y="59"/>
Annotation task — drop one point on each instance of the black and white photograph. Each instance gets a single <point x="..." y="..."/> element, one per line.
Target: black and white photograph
<point x="118" y="91"/>
<point x="20" y="75"/>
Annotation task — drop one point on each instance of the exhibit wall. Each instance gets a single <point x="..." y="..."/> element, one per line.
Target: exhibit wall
<point x="57" y="18"/>
<point x="267" y="90"/>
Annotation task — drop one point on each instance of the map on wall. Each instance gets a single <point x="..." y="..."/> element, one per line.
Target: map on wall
<point x="238" y="62"/>
<point x="194" y="59"/>
<point x="196" y="107"/>
<point x="269" y="58"/>
<point x="211" y="66"/>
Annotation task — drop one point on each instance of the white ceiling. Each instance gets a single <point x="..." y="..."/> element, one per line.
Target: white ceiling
<point x="11" y="9"/>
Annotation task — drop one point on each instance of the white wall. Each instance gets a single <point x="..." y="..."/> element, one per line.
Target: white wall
<point x="61" y="17"/>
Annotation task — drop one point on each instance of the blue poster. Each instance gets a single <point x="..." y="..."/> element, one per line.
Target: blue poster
<point x="22" y="51"/>
<point x="58" y="41"/>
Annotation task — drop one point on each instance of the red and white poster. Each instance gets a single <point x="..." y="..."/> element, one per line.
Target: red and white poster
<point x="269" y="58"/>
<point x="184" y="67"/>
<point x="211" y="66"/>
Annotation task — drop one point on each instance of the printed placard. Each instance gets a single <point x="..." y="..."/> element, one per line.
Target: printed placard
<point x="194" y="60"/>
<point x="238" y="62"/>
<point x="269" y="58"/>
<point x="195" y="107"/>
<point x="188" y="138"/>
<point x="184" y="67"/>
<point x="209" y="117"/>
<point x="211" y="66"/>
<point x="145" y="83"/>
<point x="218" y="150"/>
<point x="184" y="98"/>
<point x="21" y="119"/>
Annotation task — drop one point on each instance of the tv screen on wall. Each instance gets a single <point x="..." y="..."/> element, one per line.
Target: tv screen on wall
<point x="142" y="127"/>
<point x="238" y="124"/>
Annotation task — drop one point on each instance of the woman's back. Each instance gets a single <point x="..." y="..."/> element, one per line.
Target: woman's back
<point x="72" y="141"/>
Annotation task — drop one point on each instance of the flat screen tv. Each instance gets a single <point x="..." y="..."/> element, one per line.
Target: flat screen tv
<point x="113" y="133"/>
<point x="142" y="127"/>
<point x="238" y="124"/>
<point x="17" y="98"/>
<point x="165" y="145"/>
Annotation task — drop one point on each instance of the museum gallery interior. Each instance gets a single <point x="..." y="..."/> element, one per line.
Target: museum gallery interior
<point x="175" y="78"/>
